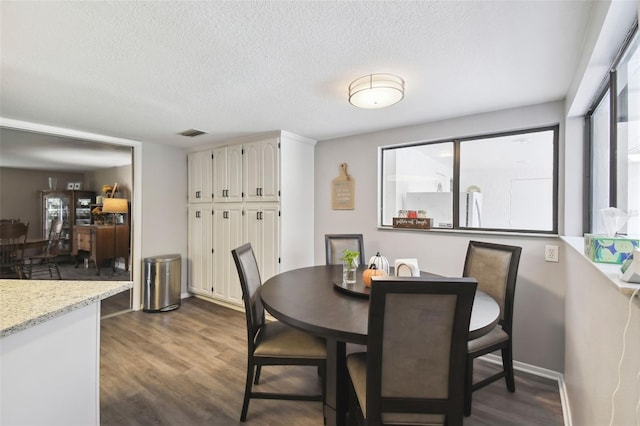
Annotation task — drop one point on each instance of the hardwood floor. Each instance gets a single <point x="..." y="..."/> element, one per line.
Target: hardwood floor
<point x="187" y="367"/>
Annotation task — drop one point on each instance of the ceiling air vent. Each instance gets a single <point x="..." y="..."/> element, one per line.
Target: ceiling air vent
<point x="192" y="133"/>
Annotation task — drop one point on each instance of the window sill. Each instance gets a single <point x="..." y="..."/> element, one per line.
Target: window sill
<point x="608" y="270"/>
<point x="469" y="231"/>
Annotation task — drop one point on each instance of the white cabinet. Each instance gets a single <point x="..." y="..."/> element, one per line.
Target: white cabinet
<point x="227" y="174"/>
<point x="260" y="170"/>
<point x="262" y="230"/>
<point x="227" y="231"/>
<point x="200" y="249"/>
<point x="200" y="176"/>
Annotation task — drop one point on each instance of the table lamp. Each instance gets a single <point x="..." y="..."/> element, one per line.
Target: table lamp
<point x="115" y="206"/>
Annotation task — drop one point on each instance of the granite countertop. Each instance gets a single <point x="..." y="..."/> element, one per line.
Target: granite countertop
<point x="27" y="303"/>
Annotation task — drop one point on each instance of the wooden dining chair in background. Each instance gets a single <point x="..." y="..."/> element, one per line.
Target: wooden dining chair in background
<point x="335" y="244"/>
<point x="12" y="238"/>
<point x="272" y="343"/>
<point x="45" y="262"/>
<point x="413" y="370"/>
<point x="495" y="267"/>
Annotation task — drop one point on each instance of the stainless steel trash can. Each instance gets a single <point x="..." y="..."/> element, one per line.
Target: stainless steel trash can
<point x="162" y="275"/>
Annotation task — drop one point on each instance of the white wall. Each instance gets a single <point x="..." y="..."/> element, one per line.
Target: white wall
<point x="164" y="204"/>
<point x="595" y="322"/>
<point x="595" y="311"/>
<point x="539" y="301"/>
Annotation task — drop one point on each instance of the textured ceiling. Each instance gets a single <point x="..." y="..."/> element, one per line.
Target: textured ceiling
<point x="148" y="70"/>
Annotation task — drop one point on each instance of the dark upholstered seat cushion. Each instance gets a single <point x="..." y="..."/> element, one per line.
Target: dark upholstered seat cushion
<point x="279" y="340"/>
<point x="495" y="336"/>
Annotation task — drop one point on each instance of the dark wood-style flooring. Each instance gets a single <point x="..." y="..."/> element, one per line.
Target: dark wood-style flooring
<point x="187" y="367"/>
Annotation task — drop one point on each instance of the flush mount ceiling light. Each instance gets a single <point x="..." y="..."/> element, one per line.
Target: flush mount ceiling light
<point x="376" y="91"/>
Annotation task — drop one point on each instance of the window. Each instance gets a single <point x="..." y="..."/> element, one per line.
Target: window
<point x="614" y="142"/>
<point x="499" y="182"/>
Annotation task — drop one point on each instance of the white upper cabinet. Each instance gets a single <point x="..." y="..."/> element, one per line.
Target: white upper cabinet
<point x="261" y="170"/>
<point x="227" y="174"/>
<point x="200" y="177"/>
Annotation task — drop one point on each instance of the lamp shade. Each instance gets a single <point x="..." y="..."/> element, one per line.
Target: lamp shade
<point x="115" y="205"/>
<point x="376" y="91"/>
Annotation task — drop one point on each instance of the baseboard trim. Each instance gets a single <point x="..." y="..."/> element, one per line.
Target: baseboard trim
<point x="220" y="302"/>
<point x="541" y="372"/>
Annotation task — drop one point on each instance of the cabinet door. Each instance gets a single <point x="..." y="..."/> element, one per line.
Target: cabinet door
<point x="200" y="249"/>
<point x="261" y="229"/>
<point x="200" y="177"/>
<point x="58" y="206"/>
<point x="270" y="250"/>
<point x="234" y="173"/>
<point x="261" y="170"/>
<point x="219" y="174"/>
<point x="251" y="171"/>
<point x="270" y="170"/>
<point x="227" y="221"/>
<point x="235" y="240"/>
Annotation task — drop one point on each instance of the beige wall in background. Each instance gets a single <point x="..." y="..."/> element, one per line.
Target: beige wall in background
<point x="20" y="194"/>
<point x="20" y="190"/>
<point x="123" y="176"/>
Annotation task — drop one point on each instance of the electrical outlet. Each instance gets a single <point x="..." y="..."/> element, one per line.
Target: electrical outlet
<point x="550" y="253"/>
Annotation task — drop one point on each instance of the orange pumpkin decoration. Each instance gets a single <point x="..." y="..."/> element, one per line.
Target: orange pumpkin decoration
<point x="373" y="271"/>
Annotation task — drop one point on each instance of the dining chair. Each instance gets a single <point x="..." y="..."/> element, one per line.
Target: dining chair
<point x="272" y="343"/>
<point x="45" y="262"/>
<point x="12" y="238"/>
<point x="413" y="370"/>
<point x="495" y="267"/>
<point x="335" y="244"/>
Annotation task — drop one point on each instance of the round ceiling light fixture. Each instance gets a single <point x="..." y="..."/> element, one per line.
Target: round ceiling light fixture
<point x="376" y="91"/>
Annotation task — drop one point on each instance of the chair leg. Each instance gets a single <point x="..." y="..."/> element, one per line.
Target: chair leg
<point x="507" y="364"/>
<point x="55" y="265"/>
<point x="247" y="391"/>
<point x="257" y="379"/>
<point x="468" y="386"/>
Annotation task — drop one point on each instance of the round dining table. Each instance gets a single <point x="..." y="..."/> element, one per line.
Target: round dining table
<point x="314" y="299"/>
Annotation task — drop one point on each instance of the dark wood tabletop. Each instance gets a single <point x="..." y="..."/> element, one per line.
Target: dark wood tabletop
<point x="307" y="299"/>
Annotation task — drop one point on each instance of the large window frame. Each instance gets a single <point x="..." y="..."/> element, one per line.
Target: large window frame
<point x="457" y="143"/>
<point x="607" y="175"/>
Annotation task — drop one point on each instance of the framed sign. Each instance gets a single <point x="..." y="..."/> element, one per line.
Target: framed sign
<point x="343" y="190"/>
<point x="70" y="185"/>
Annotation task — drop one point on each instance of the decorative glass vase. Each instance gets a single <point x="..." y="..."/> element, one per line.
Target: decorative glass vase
<point x="349" y="270"/>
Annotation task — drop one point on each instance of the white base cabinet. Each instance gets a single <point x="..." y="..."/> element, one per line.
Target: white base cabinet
<point x="200" y="249"/>
<point x="273" y="211"/>
<point x="262" y="230"/>
<point x="227" y="231"/>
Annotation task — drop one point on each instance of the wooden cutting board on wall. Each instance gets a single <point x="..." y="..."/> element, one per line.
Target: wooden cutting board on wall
<point x="343" y="190"/>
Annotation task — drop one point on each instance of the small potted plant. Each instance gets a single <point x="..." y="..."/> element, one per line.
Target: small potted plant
<point x="349" y="265"/>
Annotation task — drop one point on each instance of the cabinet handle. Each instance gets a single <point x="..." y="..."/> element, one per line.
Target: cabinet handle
<point x="197" y="194"/>
<point x="198" y="214"/>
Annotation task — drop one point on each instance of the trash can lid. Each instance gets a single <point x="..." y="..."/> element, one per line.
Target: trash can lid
<point x="162" y="257"/>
